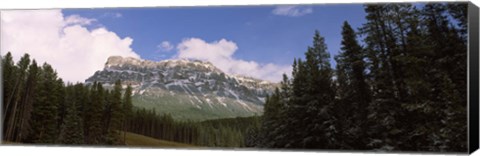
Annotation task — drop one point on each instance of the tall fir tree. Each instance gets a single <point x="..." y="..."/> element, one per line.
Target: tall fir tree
<point x="448" y="79"/>
<point x="354" y="93"/>
<point x="115" y="110"/>
<point x="72" y="129"/>
<point x="14" y="101"/>
<point x="27" y="102"/>
<point x="94" y="111"/>
<point x="127" y="109"/>
<point x="319" y="96"/>
<point x="44" y="115"/>
<point x="9" y="76"/>
<point x="312" y="91"/>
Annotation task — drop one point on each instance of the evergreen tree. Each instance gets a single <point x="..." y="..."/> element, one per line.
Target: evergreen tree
<point x="115" y="113"/>
<point x="72" y="129"/>
<point x="459" y="11"/>
<point x="27" y="102"/>
<point x="14" y="101"/>
<point x="384" y="44"/>
<point x="59" y="92"/>
<point x="270" y="120"/>
<point x="294" y="113"/>
<point x="354" y="94"/>
<point x="94" y="129"/>
<point x="127" y="109"/>
<point x="448" y="79"/>
<point x="312" y="98"/>
<point x="44" y="115"/>
<point x="9" y="77"/>
<point x="320" y="96"/>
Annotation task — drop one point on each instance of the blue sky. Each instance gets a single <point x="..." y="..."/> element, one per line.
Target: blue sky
<point x="260" y="35"/>
<point x="255" y="41"/>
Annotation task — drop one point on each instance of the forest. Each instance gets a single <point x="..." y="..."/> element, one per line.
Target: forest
<point x="39" y="108"/>
<point x="402" y="89"/>
<point x="399" y="84"/>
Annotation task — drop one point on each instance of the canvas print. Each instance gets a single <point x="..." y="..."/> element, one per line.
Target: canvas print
<point x="355" y="77"/>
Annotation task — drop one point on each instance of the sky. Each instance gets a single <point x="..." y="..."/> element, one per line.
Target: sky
<point x="256" y="41"/>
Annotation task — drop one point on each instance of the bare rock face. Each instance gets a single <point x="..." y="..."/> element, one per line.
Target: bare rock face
<point x="186" y="89"/>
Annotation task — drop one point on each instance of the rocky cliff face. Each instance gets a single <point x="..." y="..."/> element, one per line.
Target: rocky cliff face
<point x="187" y="89"/>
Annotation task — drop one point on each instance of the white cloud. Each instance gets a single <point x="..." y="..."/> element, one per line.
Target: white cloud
<point x="112" y="15"/>
<point x="292" y="11"/>
<point x="118" y="15"/>
<point x="64" y="42"/>
<point x="220" y="53"/>
<point x="165" y="46"/>
<point x="76" y="19"/>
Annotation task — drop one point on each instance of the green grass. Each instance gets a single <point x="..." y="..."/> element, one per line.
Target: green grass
<point x="136" y="140"/>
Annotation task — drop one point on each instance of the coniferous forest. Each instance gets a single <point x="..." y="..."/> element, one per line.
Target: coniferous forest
<point x="399" y="84"/>
<point x="39" y="108"/>
<point x="403" y="87"/>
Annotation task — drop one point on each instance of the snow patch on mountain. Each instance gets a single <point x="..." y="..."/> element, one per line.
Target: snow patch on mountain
<point x="197" y="83"/>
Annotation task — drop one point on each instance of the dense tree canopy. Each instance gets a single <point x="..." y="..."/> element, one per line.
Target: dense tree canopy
<point x="41" y="108"/>
<point x="402" y="88"/>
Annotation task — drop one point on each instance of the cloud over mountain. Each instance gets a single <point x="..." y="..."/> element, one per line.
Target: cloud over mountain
<point x="64" y="42"/>
<point x="76" y="50"/>
<point x="220" y="53"/>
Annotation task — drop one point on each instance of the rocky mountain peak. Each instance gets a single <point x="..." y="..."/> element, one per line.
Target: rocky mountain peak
<point x="119" y="62"/>
<point x="183" y="85"/>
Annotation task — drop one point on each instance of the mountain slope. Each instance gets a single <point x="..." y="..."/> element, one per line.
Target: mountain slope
<point x="186" y="89"/>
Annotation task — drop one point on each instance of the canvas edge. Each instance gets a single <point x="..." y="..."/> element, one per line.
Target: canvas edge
<point x="473" y="67"/>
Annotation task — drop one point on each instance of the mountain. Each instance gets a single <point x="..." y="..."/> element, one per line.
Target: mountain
<point x="186" y="89"/>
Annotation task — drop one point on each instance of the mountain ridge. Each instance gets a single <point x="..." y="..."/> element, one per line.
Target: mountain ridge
<point x="187" y="89"/>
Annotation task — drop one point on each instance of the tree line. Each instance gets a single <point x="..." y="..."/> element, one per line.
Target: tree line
<point x="403" y="87"/>
<point x="38" y="107"/>
<point x="230" y="132"/>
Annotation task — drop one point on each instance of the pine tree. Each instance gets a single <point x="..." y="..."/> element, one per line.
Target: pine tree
<point x="322" y="96"/>
<point x="27" y="102"/>
<point x="385" y="38"/>
<point x="93" y="115"/>
<point x="270" y="119"/>
<point x="376" y="38"/>
<point x="312" y="96"/>
<point x="14" y="101"/>
<point x="294" y="113"/>
<point x="459" y="11"/>
<point x="44" y="115"/>
<point x="127" y="109"/>
<point x="9" y="77"/>
<point x="448" y="79"/>
<point x="348" y="132"/>
<point x="59" y="93"/>
<point x="115" y="111"/>
<point x="72" y="129"/>
<point x="354" y="94"/>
